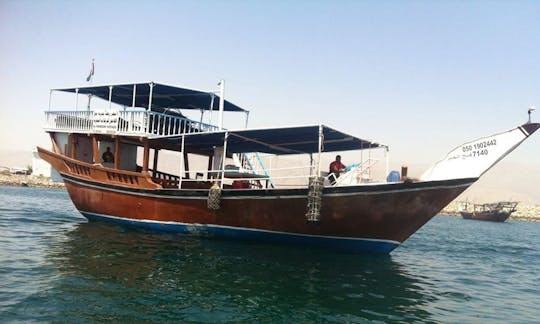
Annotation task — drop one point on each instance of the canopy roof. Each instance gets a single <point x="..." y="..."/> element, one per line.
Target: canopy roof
<point x="163" y="96"/>
<point x="280" y="141"/>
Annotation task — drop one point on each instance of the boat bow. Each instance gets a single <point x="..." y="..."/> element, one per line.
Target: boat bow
<point x="474" y="158"/>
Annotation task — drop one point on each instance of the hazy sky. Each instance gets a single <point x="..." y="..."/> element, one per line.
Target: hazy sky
<point x="420" y="76"/>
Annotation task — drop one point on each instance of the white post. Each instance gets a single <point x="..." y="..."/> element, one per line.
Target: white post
<point x="134" y="95"/>
<point x="76" y="99"/>
<point x="310" y="165"/>
<point x="362" y="155"/>
<point x="224" y="157"/>
<point x="387" y="156"/>
<point x="89" y="99"/>
<point x="321" y="140"/>
<point x="221" y="102"/>
<point x="182" y="167"/>
<point x="211" y="108"/>
<point x="50" y="97"/>
<point x="110" y="96"/>
<point x="369" y="161"/>
<point x="247" y="119"/>
<point x="150" y="96"/>
<point x="202" y="115"/>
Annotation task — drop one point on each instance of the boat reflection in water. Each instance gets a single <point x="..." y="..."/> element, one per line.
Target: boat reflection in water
<point x="130" y="274"/>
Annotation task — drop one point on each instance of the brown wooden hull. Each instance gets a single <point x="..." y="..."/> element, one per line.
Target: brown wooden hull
<point x="493" y="216"/>
<point x="367" y="217"/>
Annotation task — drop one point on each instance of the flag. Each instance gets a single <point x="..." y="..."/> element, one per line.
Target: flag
<point x="91" y="74"/>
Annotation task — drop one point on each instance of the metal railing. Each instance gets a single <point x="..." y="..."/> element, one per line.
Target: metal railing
<point x="252" y="163"/>
<point x="357" y="173"/>
<point x="123" y="122"/>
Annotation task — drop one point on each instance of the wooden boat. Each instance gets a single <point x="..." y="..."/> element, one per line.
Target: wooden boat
<point x="235" y="195"/>
<point x="495" y="212"/>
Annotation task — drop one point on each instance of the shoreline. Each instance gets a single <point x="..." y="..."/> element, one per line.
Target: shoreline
<point x="20" y="180"/>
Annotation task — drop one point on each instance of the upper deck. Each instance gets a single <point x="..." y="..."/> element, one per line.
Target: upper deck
<point x="142" y="123"/>
<point x="149" y="110"/>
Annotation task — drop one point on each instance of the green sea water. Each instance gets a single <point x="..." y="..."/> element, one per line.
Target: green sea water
<point x="57" y="267"/>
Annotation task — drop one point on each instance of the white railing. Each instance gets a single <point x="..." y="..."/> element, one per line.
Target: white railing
<point x="288" y="177"/>
<point x="69" y="120"/>
<point x="356" y="173"/>
<point x="252" y="163"/>
<point x="295" y="176"/>
<point x="126" y="122"/>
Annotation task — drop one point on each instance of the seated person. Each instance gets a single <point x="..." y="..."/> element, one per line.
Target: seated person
<point x="108" y="156"/>
<point x="337" y="167"/>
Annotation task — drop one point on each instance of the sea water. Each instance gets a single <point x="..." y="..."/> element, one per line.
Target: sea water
<point x="57" y="267"/>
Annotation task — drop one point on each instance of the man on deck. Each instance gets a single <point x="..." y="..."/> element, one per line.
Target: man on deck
<point x="337" y="167"/>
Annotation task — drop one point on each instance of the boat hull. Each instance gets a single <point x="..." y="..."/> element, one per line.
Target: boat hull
<point x="375" y="218"/>
<point x="500" y="216"/>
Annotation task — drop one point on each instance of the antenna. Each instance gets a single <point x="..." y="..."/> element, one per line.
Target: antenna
<point x="531" y="109"/>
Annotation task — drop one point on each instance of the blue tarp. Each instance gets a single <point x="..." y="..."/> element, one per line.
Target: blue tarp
<point x="287" y="140"/>
<point x="163" y="96"/>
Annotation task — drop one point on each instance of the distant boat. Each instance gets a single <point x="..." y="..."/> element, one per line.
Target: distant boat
<point x="109" y="157"/>
<point x="495" y="212"/>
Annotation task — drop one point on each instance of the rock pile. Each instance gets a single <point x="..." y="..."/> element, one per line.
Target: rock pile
<point x="7" y="179"/>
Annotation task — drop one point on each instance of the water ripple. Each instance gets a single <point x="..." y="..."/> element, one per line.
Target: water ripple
<point x="56" y="267"/>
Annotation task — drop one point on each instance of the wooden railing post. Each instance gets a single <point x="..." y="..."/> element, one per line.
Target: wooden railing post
<point x="117" y="153"/>
<point x="73" y="138"/>
<point x="95" y="149"/>
<point x="146" y="156"/>
<point x="156" y="153"/>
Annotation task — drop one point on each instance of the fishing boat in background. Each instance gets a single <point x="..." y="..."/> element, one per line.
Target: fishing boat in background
<point x="495" y="212"/>
<point x="225" y="183"/>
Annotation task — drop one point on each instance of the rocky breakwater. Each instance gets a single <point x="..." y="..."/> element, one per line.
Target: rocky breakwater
<point x="527" y="212"/>
<point x="29" y="181"/>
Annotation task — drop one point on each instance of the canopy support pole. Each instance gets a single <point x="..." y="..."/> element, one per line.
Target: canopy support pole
<point x="311" y="165"/>
<point x="134" y="96"/>
<point x="155" y="163"/>
<point x="369" y="162"/>
<point x="213" y="96"/>
<point x="387" y="158"/>
<point x="224" y="158"/>
<point x="202" y="115"/>
<point x="186" y="165"/>
<point x="150" y="96"/>
<point x="77" y="99"/>
<point x="182" y="166"/>
<point x="50" y="98"/>
<point x="110" y="96"/>
<point x="89" y="99"/>
<point x="361" y="155"/>
<point x="221" y="102"/>
<point x="321" y="147"/>
<point x="247" y="118"/>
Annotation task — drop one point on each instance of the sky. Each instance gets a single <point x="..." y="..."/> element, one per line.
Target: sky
<point x="419" y="76"/>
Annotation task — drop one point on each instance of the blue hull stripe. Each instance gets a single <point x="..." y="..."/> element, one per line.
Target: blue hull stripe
<point x="342" y="243"/>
